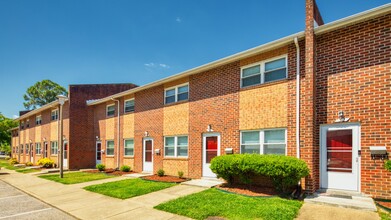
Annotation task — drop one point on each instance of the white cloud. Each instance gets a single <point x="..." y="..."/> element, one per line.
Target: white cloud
<point x="164" y="65"/>
<point x="15" y="116"/>
<point x="151" y="66"/>
<point x="178" y="19"/>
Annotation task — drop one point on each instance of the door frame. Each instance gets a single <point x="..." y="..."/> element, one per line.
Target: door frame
<point x="204" y="136"/>
<point x="144" y="140"/>
<point x="96" y="152"/>
<point x="356" y="130"/>
<point x="32" y="153"/>
<point x="65" y="153"/>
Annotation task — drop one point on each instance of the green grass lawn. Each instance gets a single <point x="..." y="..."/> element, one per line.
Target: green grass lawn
<point x="28" y="170"/>
<point x="213" y="202"/>
<point x="125" y="189"/>
<point x="7" y="165"/>
<point x="76" y="177"/>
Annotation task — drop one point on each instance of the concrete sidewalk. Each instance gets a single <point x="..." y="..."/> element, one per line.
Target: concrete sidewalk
<point x="88" y="205"/>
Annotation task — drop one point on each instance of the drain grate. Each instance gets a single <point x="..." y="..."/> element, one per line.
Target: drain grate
<point x="341" y="196"/>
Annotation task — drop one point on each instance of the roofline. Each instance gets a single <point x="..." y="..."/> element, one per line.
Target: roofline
<point x="40" y="109"/>
<point x="12" y="129"/>
<point x="253" y="51"/>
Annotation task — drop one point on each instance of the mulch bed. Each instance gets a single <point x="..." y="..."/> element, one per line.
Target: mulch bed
<point x="109" y="172"/>
<point x="248" y="190"/>
<point x="168" y="179"/>
<point x="384" y="204"/>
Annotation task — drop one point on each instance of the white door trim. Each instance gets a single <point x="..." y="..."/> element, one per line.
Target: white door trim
<point x="65" y="154"/>
<point x="206" y="172"/>
<point x="96" y="152"/>
<point x="147" y="166"/>
<point x="356" y="135"/>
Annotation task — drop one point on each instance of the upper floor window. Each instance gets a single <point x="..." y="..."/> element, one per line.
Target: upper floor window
<point x="27" y="123"/>
<point x="54" y="147"/>
<point x="176" y="94"/>
<point x="110" y="110"/>
<point x="54" y="115"/>
<point x="129" y="147"/>
<point x="271" y="141"/>
<point x="22" y="125"/>
<point x="263" y="72"/>
<point x="38" y="120"/>
<point x="176" y="146"/>
<point x="110" y="148"/>
<point x="129" y="105"/>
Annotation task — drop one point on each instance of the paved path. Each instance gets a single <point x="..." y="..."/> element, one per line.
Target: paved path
<point x="88" y="205"/>
<point x="19" y="205"/>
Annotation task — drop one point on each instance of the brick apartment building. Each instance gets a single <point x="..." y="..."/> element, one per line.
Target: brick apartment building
<point x="323" y="95"/>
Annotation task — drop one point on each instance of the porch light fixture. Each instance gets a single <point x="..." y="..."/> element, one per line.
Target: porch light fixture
<point x="97" y="138"/>
<point x="341" y="117"/>
<point x="30" y="141"/>
<point x="209" y="128"/>
<point x="146" y="134"/>
<point x="44" y="139"/>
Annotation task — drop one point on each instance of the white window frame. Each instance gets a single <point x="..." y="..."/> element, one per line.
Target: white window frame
<point x="262" y="139"/>
<point x="107" y="110"/>
<point x="128" y="139"/>
<point x="56" y="115"/>
<point x="176" y="146"/>
<point x="133" y="105"/>
<point x="262" y="70"/>
<point x="27" y="123"/>
<point x="176" y="93"/>
<point x="38" y="152"/>
<point x="52" y="149"/>
<point x="21" y="125"/>
<point x="36" y="120"/>
<point x="107" y="141"/>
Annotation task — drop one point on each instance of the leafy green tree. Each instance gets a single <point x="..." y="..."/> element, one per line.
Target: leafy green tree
<point x="5" y="135"/>
<point x="42" y="93"/>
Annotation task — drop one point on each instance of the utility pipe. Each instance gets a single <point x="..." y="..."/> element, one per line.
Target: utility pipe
<point x="297" y="98"/>
<point x="118" y="136"/>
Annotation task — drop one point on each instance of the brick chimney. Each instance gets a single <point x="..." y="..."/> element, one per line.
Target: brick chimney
<point x="309" y="131"/>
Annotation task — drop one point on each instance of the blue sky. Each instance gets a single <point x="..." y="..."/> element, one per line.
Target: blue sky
<point x="118" y="41"/>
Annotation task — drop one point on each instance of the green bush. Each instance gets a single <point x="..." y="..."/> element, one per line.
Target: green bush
<point x="13" y="161"/>
<point x="284" y="171"/>
<point x="7" y="158"/>
<point x="180" y="174"/>
<point x="46" y="162"/>
<point x="101" y="167"/>
<point x="387" y="165"/>
<point x="160" y="172"/>
<point x="125" y="168"/>
<point x="29" y="164"/>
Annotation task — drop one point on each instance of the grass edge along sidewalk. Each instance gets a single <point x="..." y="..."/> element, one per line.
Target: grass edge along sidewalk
<point x="76" y="177"/>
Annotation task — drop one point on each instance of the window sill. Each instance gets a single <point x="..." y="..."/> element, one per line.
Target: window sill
<point x="129" y="157"/>
<point x="127" y="113"/>
<point x="264" y="84"/>
<point x="109" y="156"/>
<point x="176" y="103"/>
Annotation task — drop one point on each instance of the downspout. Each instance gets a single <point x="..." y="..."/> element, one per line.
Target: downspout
<point x="297" y="98"/>
<point x="118" y="136"/>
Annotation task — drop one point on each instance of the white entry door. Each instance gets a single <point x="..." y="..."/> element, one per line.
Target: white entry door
<point x="339" y="156"/>
<point x="31" y="153"/>
<point x="98" y="152"/>
<point x="148" y="155"/>
<point x="210" y="149"/>
<point x="65" y="155"/>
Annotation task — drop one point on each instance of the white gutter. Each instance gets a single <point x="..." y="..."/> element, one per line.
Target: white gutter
<point x="297" y="98"/>
<point x="40" y="109"/>
<point x="118" y="130"/>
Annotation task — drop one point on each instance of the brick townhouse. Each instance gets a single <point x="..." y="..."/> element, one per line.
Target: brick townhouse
<point x="38" y="133"/>
<point x="322" y="95"/>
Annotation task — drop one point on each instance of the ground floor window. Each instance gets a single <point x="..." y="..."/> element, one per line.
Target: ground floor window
<point x="37" y="148"/>
<point x="129" y="147"/>
<point x="53" y="147"/>
<point x="176" y="146"/>
<point x="109" y="148"/>
<point x="270" y="141"/>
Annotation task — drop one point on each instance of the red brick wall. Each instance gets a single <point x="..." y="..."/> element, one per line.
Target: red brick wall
<point x="214" y="100"/>
<point x="354" y="76"/>
<point x="81" y="119"/>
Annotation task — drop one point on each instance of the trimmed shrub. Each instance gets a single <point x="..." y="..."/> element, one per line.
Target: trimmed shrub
<point x="285" y="172"/>
<point x="387" y="165"/>
<point x="7" y="158"/>
<point x="125" y="168"/>
<point x="46" y="162"/>
<point x="29" y="164"/>
<point x="180" y="174"/>
<point x="101" y="167"/>
<point x="160" y="172"/>
<point x="13" y="161"/>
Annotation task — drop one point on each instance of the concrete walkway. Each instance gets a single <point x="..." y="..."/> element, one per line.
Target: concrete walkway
<point x="83" y="204"/>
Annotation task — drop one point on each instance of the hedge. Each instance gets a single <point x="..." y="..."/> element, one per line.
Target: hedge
<point x="284" y="171"/>
<point x="387" y="165"/>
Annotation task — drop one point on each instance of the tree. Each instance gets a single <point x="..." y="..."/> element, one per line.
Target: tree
<point x="5" y="135"/>
<point x="42" y="93"/>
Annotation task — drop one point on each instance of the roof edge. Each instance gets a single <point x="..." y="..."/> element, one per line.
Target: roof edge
<point x="35" y="111"/>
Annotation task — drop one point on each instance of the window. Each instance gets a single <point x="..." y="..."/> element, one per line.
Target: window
<point x="176" y="94"/>
<point x="271" y="141"/>
<point x="110" y="110"/>
<point x="266" y="71"/>
<point x="54" y="147"/>
<point x="129" y="147"/>
<point x="109" y="148"/>
<point x="21" y="148"/>
<point x="54" y="115"/>
<point x="22" y="125"/>
<point x="27" y="123"/>
<point x="129" y="105"/>
<point x="38" y="120"/>
<point x="27" y="149"/>
<point x="176" y="146"/>
<point x="38" y="148"/>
